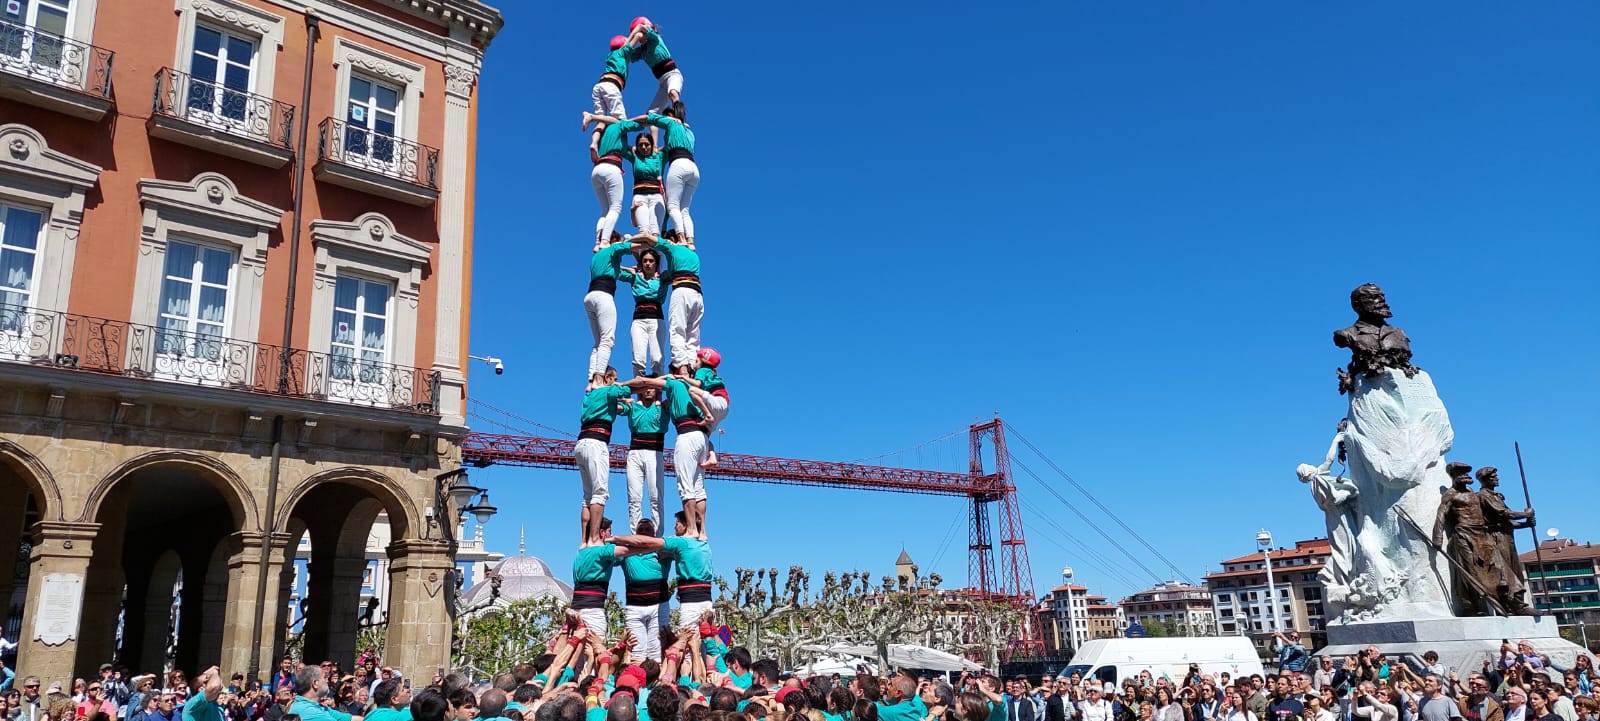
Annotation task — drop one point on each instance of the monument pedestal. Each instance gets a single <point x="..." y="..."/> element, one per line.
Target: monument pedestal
<point x="1462" y="643"/>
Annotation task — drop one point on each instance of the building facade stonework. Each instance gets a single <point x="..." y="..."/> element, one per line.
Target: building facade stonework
<point x="194" y="375"/>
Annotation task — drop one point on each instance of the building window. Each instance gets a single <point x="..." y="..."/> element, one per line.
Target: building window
<point x="20" y="232"/>
<point x="195" y="290"/>
<point x="379" y="92"/>
<point x="49" y="21"/>
<point x="221" y="75"/>
<point x="372" y="121"/>
<point x="1312" y="593"/>
<point x="360" y="344"/>
<point x="1224" y="598"/>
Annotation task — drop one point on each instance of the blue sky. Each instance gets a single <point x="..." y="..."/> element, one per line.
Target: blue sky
<point x="1129" y="228"/>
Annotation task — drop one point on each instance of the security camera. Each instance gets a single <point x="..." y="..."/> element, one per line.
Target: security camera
<point x="499" y="368"/>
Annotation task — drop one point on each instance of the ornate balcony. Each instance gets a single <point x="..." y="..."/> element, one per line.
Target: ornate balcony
<point x="53" y="72"/>
<point x="376" y="163"/>
<point x="204" y="114"/>
<point x="97" y="345"/>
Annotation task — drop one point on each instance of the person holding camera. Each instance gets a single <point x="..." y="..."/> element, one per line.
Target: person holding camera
<point x="1374" y="704"/>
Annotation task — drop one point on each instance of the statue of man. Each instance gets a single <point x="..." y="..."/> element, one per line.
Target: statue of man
<point x="1374" y="344"/>
<point x="1499" y="555"/>
<point x="1396" y="441"/>
<point x="1461" y="517"/>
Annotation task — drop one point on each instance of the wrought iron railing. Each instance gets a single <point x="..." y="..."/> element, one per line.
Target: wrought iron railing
<point x="372" y="151"/>
<point x="210" y="104"/>
<point x="45" y="56"/>
<point x="98" y="345"/>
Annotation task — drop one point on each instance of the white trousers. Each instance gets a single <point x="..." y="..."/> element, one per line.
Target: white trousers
<point x="607" y="181"/>
<point x="684" y="311"/>
<point x="649" y="213"/>
<point x="594" y="466"/>
<point x="645" y="623"/>
<point x="608" y="100"/>
<point x="683" y="176"/>
<point x="648" y="337"/>
<point x="602" y="311"/>
<point x="689" y="613"/>
<point x="595" y="619"/>
<point x="687" y="455"/>
<point x="717" y="404"/>
<point x="672" y="81"/>
<point x="644" y="480"/>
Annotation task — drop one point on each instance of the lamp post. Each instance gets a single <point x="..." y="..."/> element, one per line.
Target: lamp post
<point x="1264" y="542"/>
<point x="1072" y="625"/>
<point x="1584" y="630"/>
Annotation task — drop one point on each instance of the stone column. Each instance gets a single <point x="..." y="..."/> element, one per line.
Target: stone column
<point x="244" y="576"/>
<point x="50" y="618"/>
<point x="450" y="266"/>
<point x="345" y="607"/>
<point x="419" y="623"/>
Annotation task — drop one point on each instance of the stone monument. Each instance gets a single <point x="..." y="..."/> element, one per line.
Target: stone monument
<point x="1390" y="579"/>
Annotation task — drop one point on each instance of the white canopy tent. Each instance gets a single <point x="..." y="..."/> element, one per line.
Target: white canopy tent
<point x="902" y="655"/>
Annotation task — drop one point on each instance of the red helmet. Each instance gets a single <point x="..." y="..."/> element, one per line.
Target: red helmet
<point x="710" y="357"/>
<point x="641" y="20"/>
<point x="617" y="41"/>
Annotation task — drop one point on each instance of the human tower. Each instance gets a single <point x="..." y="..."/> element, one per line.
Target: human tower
<point x="681" y="389"/>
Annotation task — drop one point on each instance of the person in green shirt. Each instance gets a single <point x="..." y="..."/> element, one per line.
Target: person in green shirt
<point x="687" y="307"/>
<point x="600" y="305"/>
<point x="648" y="332"/>
<point x="683" y="175"/>
<point x="608" y="91"/>
<point x="646" y="609"/>
<point x="391" y="701"/>
<point x="607" y="149"/>
<point x="691" y="559"/>
<point x="592" y="453"/>
<point x="688" y="415"/>
<point x="203" y="706"/>
<point x="649" y="208"/>
<point x="591" y="577"/>
<point x="659" y="59"/>
<point x="647" y="437"/>
<point x="707" y="386"/>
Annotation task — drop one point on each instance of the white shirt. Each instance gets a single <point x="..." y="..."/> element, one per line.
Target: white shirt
<point x="1095" y="711"/>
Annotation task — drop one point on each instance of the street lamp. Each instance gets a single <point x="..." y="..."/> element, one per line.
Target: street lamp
<point x="1072" y="625"/>
<point x="1582" y="629"/>
<point x="1264" y="542"/>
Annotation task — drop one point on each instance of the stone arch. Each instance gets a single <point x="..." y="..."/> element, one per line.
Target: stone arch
<point x="403" y="515"/>
<point x="40" y="481"/>
<point x="241" y="501"/>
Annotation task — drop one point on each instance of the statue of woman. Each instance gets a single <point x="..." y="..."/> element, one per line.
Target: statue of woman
<point x="1337" y="497"/>
<point x="1396" y="439"/>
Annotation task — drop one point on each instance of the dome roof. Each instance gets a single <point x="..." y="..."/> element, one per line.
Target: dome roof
<point x="521" y="577"/>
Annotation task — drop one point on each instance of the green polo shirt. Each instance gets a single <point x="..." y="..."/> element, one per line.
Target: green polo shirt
<point x="652" y="291"/>
<point x="692" y="555"/>
<point x="709" y="379"/>
<point x="607" y="262"/>
<point x="646" y="168"/>
<point x="600" y="404"/>
<point x="594" y="564"/>
<point x="911" y="709"/>
<point x="614" y="139"/>
<point x="679" y="258"/>
<point x="200" y="708"/>
<point x="644" y="567"/>
<point x="655" y="51"/>
<point x="644" y="419"/>
<point x="389" y="714"/>
<point x="680" y="405"/>
<point x="617" y="61"/>
<point x="677" y="136"/>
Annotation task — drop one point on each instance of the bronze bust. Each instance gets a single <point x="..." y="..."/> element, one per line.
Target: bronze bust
<point x="1374" y="344"/>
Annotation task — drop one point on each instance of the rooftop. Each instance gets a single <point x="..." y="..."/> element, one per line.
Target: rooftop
<point x="1259" y="572"/>
<point x="1302" y="549"/>
<point x="1562" y="549"/>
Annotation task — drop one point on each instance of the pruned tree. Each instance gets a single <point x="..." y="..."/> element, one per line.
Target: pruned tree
<point x="754" y="603"/>
<point x="892" y="611"/>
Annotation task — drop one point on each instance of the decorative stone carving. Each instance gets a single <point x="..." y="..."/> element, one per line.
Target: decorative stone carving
<point x="19" y="148"/>
<point x="459" y="79"/>
<point x="232" y="15"/>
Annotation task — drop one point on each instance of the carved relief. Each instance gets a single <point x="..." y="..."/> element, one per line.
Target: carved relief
<point x="459" y="79"/>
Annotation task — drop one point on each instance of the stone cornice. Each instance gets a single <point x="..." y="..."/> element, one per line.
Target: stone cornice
<point x="481" y="21"/>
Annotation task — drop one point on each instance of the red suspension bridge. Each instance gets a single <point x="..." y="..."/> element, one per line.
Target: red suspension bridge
<point x="992" y="572"/>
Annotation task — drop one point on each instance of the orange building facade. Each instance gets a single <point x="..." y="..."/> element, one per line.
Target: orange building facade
<point x="235" y="242"/>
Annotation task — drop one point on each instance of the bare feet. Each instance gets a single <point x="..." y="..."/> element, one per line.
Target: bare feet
<point x="587" y="118"/>
<point x="710" y="461"/>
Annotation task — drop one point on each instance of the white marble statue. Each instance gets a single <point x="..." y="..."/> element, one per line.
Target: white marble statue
<point x="1337" y="496"/>
<point x="1396" y="438"/>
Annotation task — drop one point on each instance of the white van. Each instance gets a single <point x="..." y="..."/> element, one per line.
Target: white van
<point x="1116" y="659"/>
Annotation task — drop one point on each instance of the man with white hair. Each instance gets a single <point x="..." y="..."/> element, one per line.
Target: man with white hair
<point x="1096" y="707"/>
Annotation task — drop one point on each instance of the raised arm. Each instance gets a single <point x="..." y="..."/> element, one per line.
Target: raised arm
<point x="640" y="544"/>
